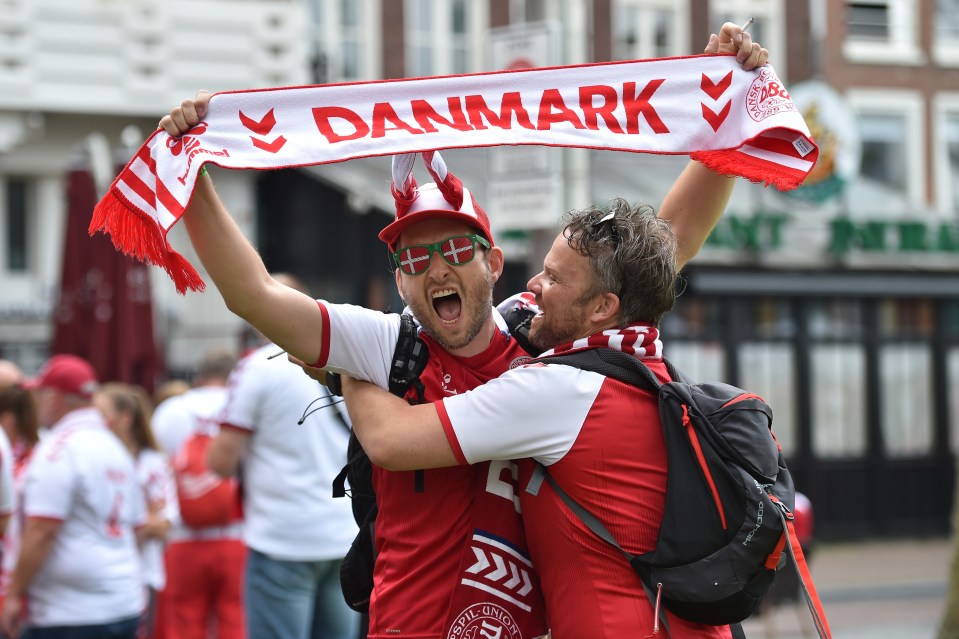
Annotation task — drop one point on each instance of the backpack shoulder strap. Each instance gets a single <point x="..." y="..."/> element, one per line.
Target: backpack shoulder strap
<point x="409" y="359"/>
<point x="629" y="370"/>
<point x="611" y="363"/>
<point x="597" y="528"/>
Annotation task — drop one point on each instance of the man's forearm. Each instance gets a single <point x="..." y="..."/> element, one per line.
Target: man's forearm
<point x="693" y="206"/>
<point x="226" y="254"/>
<point x="37" y="540"/>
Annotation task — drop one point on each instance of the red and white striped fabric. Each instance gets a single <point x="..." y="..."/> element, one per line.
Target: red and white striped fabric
<point x="736" y="122"/>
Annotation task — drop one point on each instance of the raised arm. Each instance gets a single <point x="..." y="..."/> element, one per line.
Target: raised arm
<point x="285" y="316"/>
<point x="698" y="198"/>
<point x="396" y="435"/>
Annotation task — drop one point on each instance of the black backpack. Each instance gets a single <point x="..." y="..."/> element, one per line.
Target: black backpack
<point x="729" y="498"/>
<point x="356" y="570"/>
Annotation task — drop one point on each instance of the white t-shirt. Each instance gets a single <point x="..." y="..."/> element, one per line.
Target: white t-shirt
<point x="82" y="475"/>
<point x="196" y="410"/>
<point x="155" y="477"/>
<point x="7" y="495"/>
<point x="11" y="539"/>
<point x="288" y="468"/>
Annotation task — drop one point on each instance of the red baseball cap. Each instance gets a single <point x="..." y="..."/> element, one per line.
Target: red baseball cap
<point x="446" y="199"/>
<point x="68" y="374"/>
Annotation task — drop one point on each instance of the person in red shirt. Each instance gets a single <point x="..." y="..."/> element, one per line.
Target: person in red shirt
<point x="606" y="282"/>
<point x="451" y="558"/>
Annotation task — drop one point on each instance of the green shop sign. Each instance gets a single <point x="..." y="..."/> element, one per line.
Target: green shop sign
<point x="884" y="237"/>
<point x="767" y="231"/>
<point x="761" y="232"/>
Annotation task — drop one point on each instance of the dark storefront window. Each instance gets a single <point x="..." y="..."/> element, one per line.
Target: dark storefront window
<point x="906" y="318"/>
<point x="16" y="225"/>
<point x="906" y="398"/>
<point x="952" y="319"/>
<point x="951" y="323"/>
<point x="905" y="363"/>
<point x="952" y="374"/>
<point x="693" y="335"/>
<point x="838" y="378"/>
<point x="767" y="363"/>
<point x="694" y="318"/>
<point x="835" y="319"/>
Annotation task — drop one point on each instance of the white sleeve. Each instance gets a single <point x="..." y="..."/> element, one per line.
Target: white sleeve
<point x="155" y="476"/>
<point x="51" y="481"/>
<point x="6" y="475"/>
<point x="533" y="411"/>
<point x="168" y="424"/>
<point x="245" y="388"/>
<point x="361" y="342"/>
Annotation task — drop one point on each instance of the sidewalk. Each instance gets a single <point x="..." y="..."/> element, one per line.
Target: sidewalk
<point x="869" y="590"/>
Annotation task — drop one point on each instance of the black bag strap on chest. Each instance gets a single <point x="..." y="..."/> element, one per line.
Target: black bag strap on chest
<point x="629" y="370"/>
<point x="409" y="359"/>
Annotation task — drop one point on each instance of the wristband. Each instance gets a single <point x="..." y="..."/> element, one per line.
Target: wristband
<point x="202" y="172"/>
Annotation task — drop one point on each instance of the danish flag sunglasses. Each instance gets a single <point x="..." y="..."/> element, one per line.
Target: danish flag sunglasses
<point x="457" y="250"/>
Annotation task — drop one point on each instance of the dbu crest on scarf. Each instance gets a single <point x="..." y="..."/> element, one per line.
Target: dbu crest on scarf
<point x="767" y="96"/>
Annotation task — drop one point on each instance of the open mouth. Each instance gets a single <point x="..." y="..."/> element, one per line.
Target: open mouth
<point x="448" y="305"/>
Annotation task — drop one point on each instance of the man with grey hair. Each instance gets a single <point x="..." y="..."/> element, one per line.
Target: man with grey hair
<point x="606" y="283"/>
<point x="78" y="570"/>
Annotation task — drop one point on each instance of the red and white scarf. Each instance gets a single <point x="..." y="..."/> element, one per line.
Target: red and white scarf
<point x="736" y="122"/>
<point x="639" y="339"/>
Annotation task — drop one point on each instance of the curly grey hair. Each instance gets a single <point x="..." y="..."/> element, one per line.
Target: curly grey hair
<point x="633" y="255"/>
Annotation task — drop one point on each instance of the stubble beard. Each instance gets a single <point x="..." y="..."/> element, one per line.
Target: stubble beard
<point x="566" y="328"/>
<point x="476" y="304"/>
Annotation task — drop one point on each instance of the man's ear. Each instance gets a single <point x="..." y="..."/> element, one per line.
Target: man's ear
<point x="398" y="276"/>
<point x="496" y="262"/>
<point x="605" y="310"/>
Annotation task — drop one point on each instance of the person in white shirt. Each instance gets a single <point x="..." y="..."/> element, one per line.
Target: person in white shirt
<point x="127" y="410"/>
<point x="295" y="532"/>
<point x="78" y="567"/>
<point x="18" y="420"/>
<point x="204" y="566"/>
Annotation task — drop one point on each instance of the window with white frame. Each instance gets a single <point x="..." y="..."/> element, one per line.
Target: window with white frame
<point x="891" y="130"/>
<point x="441" y="36"/>
<point x="649" y="29"/>
<point x="884" y="149"/>
<point x="882" y="32"/>
<point x="951" y="126"/>
<point x="945" y="43"/>
<point x="945" y="152"/>
<point x="15" y="216"/>
<point x="526" y="11"/>
<point x="342" y="50"/>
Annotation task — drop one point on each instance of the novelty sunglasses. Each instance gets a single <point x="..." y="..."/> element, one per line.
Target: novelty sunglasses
<point x="457" y="250"/>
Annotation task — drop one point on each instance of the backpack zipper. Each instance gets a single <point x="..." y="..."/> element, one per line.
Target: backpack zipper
<point x="740" y="398"/>
<point x="694" y="440"/>
<point x="659" y="598"/>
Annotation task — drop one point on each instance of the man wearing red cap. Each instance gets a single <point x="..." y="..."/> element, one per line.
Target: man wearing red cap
<point x="78" y="571"/>
<point x="451" y="557"/>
